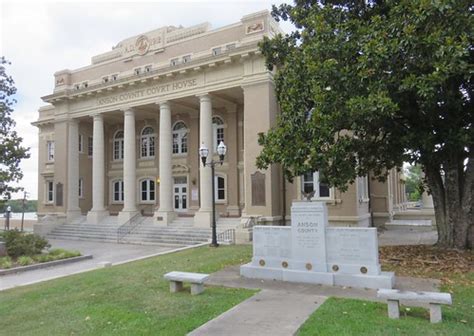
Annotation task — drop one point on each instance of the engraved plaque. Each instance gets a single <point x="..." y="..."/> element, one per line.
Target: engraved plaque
<point x="258" y="189"/>
<point x="59" y="194"/>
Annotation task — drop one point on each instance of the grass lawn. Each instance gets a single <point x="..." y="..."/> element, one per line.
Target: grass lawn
<point x="131" y="299"/>
<point x="356" y="317"/>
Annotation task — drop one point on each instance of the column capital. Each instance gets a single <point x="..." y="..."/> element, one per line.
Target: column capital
<point x="128" y="110"/>
<point x="73" y="121"/>
<point x="163" y="104"/>
<point x="97" y="116"/>
<point x="205" y="97"/>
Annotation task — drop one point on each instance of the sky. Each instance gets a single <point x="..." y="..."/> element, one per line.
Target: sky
<point x="42" y="37"/>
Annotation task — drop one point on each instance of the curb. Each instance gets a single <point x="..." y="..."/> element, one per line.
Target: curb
<point x="44" y="265"/>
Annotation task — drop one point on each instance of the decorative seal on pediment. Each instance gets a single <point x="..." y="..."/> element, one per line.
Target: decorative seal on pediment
<point x="142" y="45"/>
<point x="180" y="169"/>
<point x="254" y="28"/>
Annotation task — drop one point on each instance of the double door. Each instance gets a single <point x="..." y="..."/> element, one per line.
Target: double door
<point x="180" y="194"/>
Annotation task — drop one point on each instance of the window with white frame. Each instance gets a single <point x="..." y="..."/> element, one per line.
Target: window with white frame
<point x="50" y="150"/>
<point x="117" y="191"/>
<point x="118" y="145"/>
<point x="147" y="142"/>
<point x="219" y="185"/>
<point x="49" y="191"/>
<point x="362" y="188"/>
<point x="217" y="132"/>
<point x="180" y="138"/>
<point x="314" y="181"/>
<point x="147" y="190"/>
<point x="81" y="143"/>
<point x="90" y="146"/>
<point x="81" y="188"/>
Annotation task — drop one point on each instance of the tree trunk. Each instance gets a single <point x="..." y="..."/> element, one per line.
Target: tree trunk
<point x="453" y="203"/>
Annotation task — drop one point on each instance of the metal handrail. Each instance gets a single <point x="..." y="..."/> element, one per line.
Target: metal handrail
<point x="226" y="237"/>
<point x="251" y="222"/>
<point x="128" y="227"/>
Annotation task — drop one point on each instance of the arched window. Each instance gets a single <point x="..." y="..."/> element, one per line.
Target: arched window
<point x="147" y="190"/>
<point x="217" y="132"/>
<point x="180" y="138"/>
<point x="147" y="142"/>
<point x="117" y="193"/>
<point x="118" y="145"/>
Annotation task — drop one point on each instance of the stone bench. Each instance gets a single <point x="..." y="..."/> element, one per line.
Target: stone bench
<point x="176" y="280"/>
<point x="435" y="300"/>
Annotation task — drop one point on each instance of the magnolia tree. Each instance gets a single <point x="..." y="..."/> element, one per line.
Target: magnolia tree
<point x="11" y="151"/>
<point x="364" y="86"/>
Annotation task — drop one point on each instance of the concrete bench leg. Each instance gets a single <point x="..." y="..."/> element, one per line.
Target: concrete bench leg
<point x="176" y="286"/>
<point x="197" y="289"/>
<point x="435" y="313"/>
<point x="393" y="309"/>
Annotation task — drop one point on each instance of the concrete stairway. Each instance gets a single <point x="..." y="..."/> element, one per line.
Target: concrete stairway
<point x="180" y="232"/>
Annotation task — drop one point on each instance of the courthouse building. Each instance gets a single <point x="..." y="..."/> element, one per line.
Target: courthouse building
<point x="120" y="136"/>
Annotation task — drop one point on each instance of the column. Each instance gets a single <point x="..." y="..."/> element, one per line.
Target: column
<point x="73" y="209"/>
<point x="204" y="216"/>
<point x="165" y="213"/>
<point x="98" y="171"/>
<point x="129" y="167"/>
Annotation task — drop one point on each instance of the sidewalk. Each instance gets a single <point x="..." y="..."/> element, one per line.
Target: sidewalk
<point x="114" y="253"/>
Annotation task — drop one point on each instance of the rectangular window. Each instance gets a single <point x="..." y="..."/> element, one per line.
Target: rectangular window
<point x="118" y="191"/>
<point x="148" y="68"/>
<point x="315" y="182"/>
<point x="90" y="146"/>
<point x="186" y="58"/>
<point x="81" y="187"/>
<point x="174" y="62"/>
<point x="230" y="46"/>
<point x="81" y="143"/>
<point x="220" y="188"/>
<point x="216" y="51"/>
<point x="362" y="188"/>
<point x="118" y="149"/>
<point x="49" y="191"/>
<point x="114" y="77"/>
<point x="50" y="150"/>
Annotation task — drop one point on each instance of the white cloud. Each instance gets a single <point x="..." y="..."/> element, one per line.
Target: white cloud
<point x="42" y="37"/>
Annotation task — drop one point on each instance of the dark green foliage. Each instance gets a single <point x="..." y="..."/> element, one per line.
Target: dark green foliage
<point x="23" y="244"/>
<point x="11" y="151"/>
<point x="17" y="205"/>
<point x="364" y="86"/>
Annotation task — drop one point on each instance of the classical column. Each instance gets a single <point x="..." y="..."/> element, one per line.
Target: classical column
<point x="98" y="171"/>
<point x="129" y="167"/>
<point x="165" y="213"/>
<point x="204" y="216"/>
<point x="73" y="209"/>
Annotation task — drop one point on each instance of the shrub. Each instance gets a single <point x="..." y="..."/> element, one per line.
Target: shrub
<point x="5" y="262"/>
<point x="19" y="243"/>
<point x="25" y="260"/>
<point x="63" y="254"/>
<point x="41" y="258"/>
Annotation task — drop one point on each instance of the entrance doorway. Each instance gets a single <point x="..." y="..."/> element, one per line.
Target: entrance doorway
<point x="180" y="193"/>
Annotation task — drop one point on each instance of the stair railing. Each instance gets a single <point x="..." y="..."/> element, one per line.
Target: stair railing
<point x="129" y="226"/>
<point x="226" y="237"/>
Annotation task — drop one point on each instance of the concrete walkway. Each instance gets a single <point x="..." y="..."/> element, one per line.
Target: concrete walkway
<point x="114" y="253"/>
<point x="270" y="312"/>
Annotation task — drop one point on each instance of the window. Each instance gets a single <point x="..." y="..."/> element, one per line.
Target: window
<point x="148" y="68"/>
<point x="114" y="77"/>
<point x="147" y="142"/>
<point x="216" y="51"/>
<point x="118" y="191"/>
<point x="174" y="62"/>
<point x="186" y="58"/>
<point x="90" y="146"/>
<point x="50" y="146"/>
<point x="315" y="182"/>
<point x="81" y="143"/>
<point x="362" y="188"/>
<point x="137" y="71"/>
<point x="81" y="188"/>
<point x="180" y="140"/>
<point x="105" y="79"/>
<point x="147" y="190"/>
<point x="217" y="132"/>
<point x="118" y="145"/>
<point x="219" y="186"/>
<point x="49" y="191"/>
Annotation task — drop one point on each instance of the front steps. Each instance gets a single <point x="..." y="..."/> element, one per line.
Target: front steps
<point x="418" y="225"/>
<point x="180" y="232"/>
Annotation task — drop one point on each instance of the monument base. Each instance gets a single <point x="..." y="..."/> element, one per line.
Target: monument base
<point x="384" y="280"/>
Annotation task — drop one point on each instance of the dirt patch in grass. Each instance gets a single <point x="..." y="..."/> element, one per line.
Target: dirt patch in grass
<point x="450" y="266"/>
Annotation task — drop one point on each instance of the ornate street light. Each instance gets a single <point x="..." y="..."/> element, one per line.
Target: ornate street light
<point x="204" y="153"/>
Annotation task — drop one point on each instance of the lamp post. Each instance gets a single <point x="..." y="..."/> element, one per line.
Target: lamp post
<point x="204" y="153"/>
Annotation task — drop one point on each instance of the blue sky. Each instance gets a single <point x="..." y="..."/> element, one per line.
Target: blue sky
<point x="42" y="37"/>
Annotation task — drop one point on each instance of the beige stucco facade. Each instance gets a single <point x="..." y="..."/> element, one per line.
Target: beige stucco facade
<point x="142" y="110"/>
